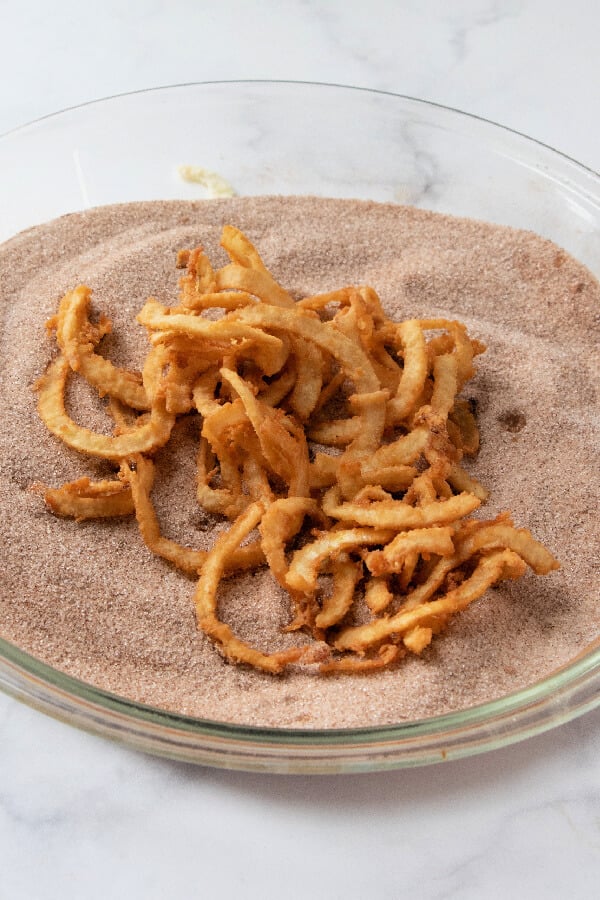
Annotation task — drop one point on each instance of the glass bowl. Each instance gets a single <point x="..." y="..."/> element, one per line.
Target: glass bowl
<point x="325" y="140"/>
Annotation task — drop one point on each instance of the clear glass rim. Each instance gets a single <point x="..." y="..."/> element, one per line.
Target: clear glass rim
<point x="569" y="692"/>
<point x="565" y="694"/>
<point x="301" y="83"/>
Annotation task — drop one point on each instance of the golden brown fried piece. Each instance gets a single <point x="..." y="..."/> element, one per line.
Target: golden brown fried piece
<point x="396" y="554"/>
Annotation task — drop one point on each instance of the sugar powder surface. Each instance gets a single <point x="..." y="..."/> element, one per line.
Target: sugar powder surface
<point x="90" y="600"/>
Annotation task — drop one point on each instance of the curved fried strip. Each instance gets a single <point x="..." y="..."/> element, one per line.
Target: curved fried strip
<point x="273" y="393"/>
<point x="255" y="479"/>
<point x="218" y="428"/>
<point x="352" y="358"/>
<point x="306" y="563"/>
<point x="200" y="277"/>
<point x="140" y="478"/>
<point x="260" y="284"/>
<point x="464" y="347"/>
<point x="520" y="540"/>
<point x="323" y="471"/>
<point x="51" y="406"/>
<point x="335" y="432"/>
<point x="85" y="499"/>
<point x="391" y="478"/>
<point x="240" y="249"/>
<point x="387" y="654"/>
<point x="346" y="575"/>
<point x="403" y="451"/>
<point x="490" y="569"/>
<point x="414" y="373"/>
<point x="139" y="474"/>
<point x="445" y="384"/>
<point x="418" y="638"/>
<point x="371" y="407"/>
<point x="219" y="501"/>
<point x="462" y="481"/>
<point x="421" y="492"/>
<point x="205" y="599"/>
<point x="237" y="651"/>
<point x="219" y="300"/>
<point x="178" y="381"/>
<point x="280" y="523"/>
<point x="203" y="392"/>
<point x="73" y="337"/>
<point x="286" y="454"/>
<point x="320" y="301"/>
<point x="356" y="321"/>
<point x="349" y="355"/>
<point x="397" y="515"/>
<point x="408" y="570"/>
<point x="436" y="540"/>
<point x="269" y="352"/>
<point x="330" y="390"/>
<point x="309" y="378"/>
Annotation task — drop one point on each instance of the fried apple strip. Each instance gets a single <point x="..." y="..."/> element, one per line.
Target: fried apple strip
<point x="84" y="499"/>
<point x="501" y="564"/>
<point x="73" y="333"/>
<point x="346" y="575"/>
<point x="436" y="540"/>
<point x="146" y="438"/>
<point x="205" y="600"/>
<point x="396" y="515"/>
<point x="306" y="563"/>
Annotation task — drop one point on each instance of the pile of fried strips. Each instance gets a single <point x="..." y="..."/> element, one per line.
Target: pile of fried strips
<point x="330" y="436"/>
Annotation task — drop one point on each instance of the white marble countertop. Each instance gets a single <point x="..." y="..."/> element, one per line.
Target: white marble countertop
<point x="81" y="817"/>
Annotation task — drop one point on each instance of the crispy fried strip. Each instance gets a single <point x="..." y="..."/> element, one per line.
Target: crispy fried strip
<point x="281" y="521"/>
<point x="51" y="407"/>
<point x="336" y="432"/>
<point x="286" y="453"/>
<point x="462" y="481"/>
<point x="346" y="575"/>
<point x="498" y="565"/>
<point x="320" y="301"/>
<point x="85" y="499"/>
<point x="73" y="330"/>
<point x="304" y="569"/>
<point x="403" y="451"/>
<point x="240" y="249"/>
<point x="259" y="283"/>
<point x="139" y="474"/>
<point x="387" y="654"/>
<point x="205" y="599"/>
<point x="309" y="378"/>
<point x="200" y="276"/>
<point x="396" y="515"/>
<point x="219" y="300"/>
<point x="414" y="372"/>
<point x="223" y="501"/>
<point x="270" y="353"/>
<point x="417" y="638"/>
<point x="272" y="394"/>
<point x="519" y="540"/>
<point x="436" y="540"/>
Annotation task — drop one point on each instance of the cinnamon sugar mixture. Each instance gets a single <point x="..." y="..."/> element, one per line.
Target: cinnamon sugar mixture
<point x="92" y="601"/>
